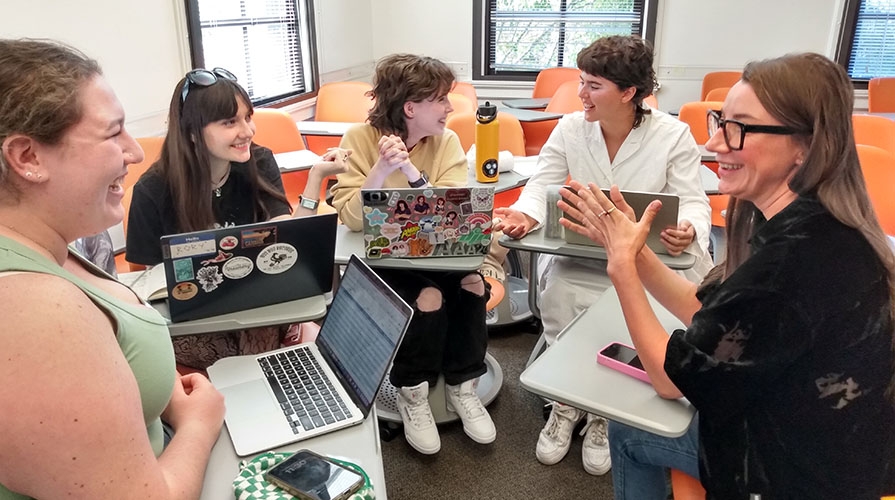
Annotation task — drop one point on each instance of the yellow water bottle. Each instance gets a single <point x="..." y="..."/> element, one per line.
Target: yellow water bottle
<point x="486" y="148"/>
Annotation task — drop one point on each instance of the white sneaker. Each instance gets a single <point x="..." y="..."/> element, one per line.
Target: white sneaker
<point x="595" y="449"/>
<point x="556" y="436"/>
<point x="419" y="425"/>
<point x="477" y="423"/>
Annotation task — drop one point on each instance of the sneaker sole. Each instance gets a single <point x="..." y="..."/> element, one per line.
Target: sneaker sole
<point x="421" y="449"/>
<point x="478" y="439"/>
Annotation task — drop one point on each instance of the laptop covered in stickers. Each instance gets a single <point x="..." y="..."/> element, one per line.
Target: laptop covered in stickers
<point x="225" y="270"/>
<point x="410" y="223"/>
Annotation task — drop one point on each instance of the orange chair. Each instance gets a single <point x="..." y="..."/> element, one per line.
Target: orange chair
<point x="275" y="129"/>
<point x="695" y="115"/>
<point x="460" y="103"/>
<point x="717" y="94"/>
<point x="878" y="166"/>
<point x="717" y="79"/>
<point x="881" y="95"/>
<point x="511" y="138"/>
<point x="339" y="102"/>
<point x="565" y="100"/>
<point x="152" y="149"/>
<point x="685" y="486"/>
<point x="874" y="131"/>
<point x="468" y="90"/>
<point x="549" y="79"/>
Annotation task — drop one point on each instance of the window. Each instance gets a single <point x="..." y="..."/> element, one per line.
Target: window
<point x="514" y="39"/>
<point x="867" y="40"/>
<point x="267" y="44"/>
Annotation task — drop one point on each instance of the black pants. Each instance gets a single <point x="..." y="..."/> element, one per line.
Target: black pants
<point x="451" y="340"/>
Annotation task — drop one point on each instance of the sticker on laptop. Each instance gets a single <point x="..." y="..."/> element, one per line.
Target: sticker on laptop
<point x="183" y="270"/>
<point x="220" y="257"/>
<point x="277" y="258"/>
<point x="229" y="242"/>
<point x="259" y="237"/>
<point x="238" y="267"/>
<point x="184" y="291"/>
<point x="191" y="246"/>
<point x="209" y="277"/>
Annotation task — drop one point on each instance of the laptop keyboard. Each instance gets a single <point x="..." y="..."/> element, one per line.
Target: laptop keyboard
<point x="306" y="396"/>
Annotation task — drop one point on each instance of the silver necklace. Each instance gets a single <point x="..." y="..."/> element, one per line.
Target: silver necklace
<point x="219" y="184"/>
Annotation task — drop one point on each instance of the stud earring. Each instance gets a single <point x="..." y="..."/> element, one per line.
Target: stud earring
<point x="40" y="176"/>
<point x="29" y="174"/>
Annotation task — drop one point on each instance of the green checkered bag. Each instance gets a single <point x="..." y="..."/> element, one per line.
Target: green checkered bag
<point x="250" y="484"/>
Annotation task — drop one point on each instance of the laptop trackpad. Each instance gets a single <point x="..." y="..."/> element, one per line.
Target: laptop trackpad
<point x="251" y="405"/>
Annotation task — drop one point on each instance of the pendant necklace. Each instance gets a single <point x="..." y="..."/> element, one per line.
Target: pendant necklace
<point x="220" y="183"/>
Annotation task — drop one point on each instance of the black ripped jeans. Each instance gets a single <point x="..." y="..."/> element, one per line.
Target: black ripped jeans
<point x="451" y="340"/>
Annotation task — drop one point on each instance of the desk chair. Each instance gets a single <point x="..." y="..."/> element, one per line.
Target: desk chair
<point x="717" y="94"/>
<point x="564" y="100"/>
<point x="717" y="79"/>
<point x="881" y="95"/>
<point x="339" y="102"/>
<point x="276" y="130"/>
<point x="878" y="166"/>
<point x="460" y="103"/>
<point x="511" y="137"/>
<point x="874" y="131"/>
<point x="468" y="90"/>
<point x="549" y="80"/>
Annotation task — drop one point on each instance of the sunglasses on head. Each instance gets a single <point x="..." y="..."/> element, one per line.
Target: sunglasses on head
<point x="203" y="78"/>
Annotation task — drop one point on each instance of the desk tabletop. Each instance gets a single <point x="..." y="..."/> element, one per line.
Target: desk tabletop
<point x="310" y="127"/>
<point x="505" y="181"/>
<point x="538" y="241"/>
<point x="568" y="372"/>
<point x="350" y="242"/>
<point x="293" y="311"/>
<point x="705" y="154"/>
<point x="529" y="115"/>
<point x="530" y="103"/>
<point x="358" y="444"/>
<point x="296" y="160"/>
<point x="709" y="180"/>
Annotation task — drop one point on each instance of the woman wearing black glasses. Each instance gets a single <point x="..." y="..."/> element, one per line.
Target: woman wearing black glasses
<point x="210" y="174"/>
<point x="787" y="355"/>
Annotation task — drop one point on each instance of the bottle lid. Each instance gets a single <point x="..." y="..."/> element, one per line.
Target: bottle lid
<point x="486" y="113"/>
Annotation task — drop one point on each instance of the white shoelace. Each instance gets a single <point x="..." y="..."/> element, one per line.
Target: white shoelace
<point x="420" y="414"/>
<point x="471" y="405"/>
<point x="598" y="436"/>
<point x="559" y="424"/>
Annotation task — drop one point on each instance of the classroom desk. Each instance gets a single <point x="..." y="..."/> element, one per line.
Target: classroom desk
<point x="568" y="372"/>
<point x="310" y="127"/>
<point x="352" y="242"/>
<point x="529" y="103"/>
<point x="529" y="115"/>
<point x="294" y="161"/>
<point x="709" y="180"/>
<point x="358" y="444"/>
<point x="890" y="116"/>
<point x="505" y="181"/>
<point x="294" y="311"/>
<point x="705" y="154"/>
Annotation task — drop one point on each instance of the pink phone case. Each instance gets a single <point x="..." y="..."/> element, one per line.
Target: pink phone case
<point x="622" y="367"/>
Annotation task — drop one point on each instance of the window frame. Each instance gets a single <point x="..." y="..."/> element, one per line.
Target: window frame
<point x="310" y="63"/>
<point x="847" y="32"/>
<point x="481" y="22"/>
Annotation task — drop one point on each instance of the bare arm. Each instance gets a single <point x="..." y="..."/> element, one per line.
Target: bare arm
<point x="78" y="431"/>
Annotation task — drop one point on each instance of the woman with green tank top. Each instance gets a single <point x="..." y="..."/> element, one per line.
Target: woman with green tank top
<point x="87" y="370"/>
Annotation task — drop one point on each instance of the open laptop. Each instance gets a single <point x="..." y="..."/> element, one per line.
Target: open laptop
<point x="270" y="404"/>
<point x="638" y="200"/>
<point x="231" y="269"/>
<point x="427" y="222"/>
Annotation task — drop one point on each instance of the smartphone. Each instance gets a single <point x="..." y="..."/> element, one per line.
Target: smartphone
<point x="310" y="476"/>
<point x="623" y="358"/>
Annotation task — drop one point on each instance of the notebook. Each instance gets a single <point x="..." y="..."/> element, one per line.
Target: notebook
<point x="638" y="200"/>
<point x="427" y="222"/>
<point x="352" y="354"/>
<point x="231" y="269"/>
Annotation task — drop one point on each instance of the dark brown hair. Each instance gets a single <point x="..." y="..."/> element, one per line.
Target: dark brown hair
<point x="40" y="83"/>
<point x="400" y="78"/>
<point x="184" y="162"/>
<point x="626" y="61"/>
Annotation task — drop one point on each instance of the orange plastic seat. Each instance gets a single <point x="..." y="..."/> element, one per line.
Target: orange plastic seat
<point x="339" y="102"/>
<point x="685" y="486"/>
<point x="876" y="131"/>
<point x="460" y="103"/>
<point x="468" y="90"/>
<point x="152" y="149"/>
<point x="881" y="95"/>
<point x="717" y="94"/>
<point x="511" y="137"/>
<point x="565" y="100"/>
<point x="878" y="167"/>
<point x="717" y="79"/>
<point x="695" y="115"/>
<point x="549" y="80"/>
<point x="497" y="293"/>
<point x="276" y="130"/>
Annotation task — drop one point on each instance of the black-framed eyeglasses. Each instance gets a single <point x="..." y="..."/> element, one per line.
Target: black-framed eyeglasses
<point x="203" y="78"/>
<point x="734" y="132"/>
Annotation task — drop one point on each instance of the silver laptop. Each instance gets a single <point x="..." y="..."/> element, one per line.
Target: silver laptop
<point x="638" y="200"/>
<point x="303" y="391"/>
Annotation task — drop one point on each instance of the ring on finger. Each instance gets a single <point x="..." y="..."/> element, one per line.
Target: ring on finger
<point x="604" y="212"/>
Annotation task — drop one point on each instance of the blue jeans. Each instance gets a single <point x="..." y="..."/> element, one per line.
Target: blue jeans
<point x="639" y="459"/>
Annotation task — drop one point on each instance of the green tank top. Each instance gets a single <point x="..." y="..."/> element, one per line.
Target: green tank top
<point x="142" y="334"/>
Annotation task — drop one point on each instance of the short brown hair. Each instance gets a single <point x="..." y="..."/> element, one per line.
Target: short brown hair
<point x="626" y="61"/>
<point x="400" y="78"/>
<point x="40" y="81"/>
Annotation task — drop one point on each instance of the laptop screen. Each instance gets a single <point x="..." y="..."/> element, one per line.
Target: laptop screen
<point x="362" y="330"/>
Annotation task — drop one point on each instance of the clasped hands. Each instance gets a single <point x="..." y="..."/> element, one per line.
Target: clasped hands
<point x="335" y="161"/>
<point x="611" y="222"/>
<point x="393" y="155"/>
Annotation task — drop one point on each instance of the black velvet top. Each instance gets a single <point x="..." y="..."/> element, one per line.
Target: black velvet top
<point x="787" y="363"/>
